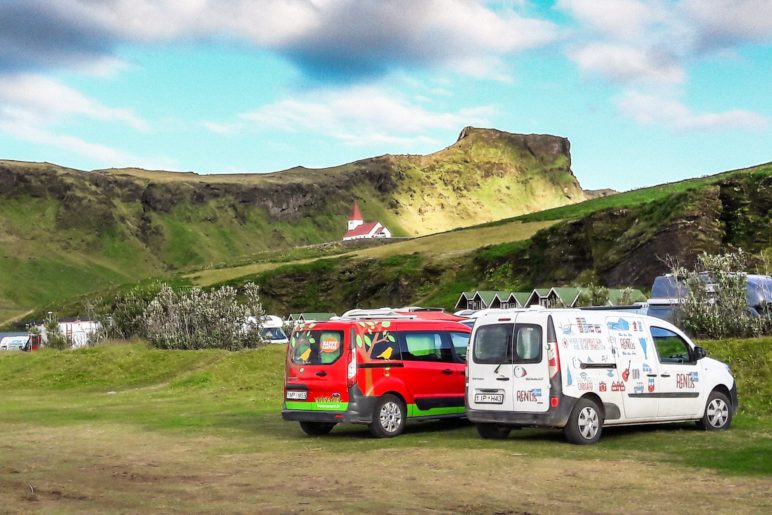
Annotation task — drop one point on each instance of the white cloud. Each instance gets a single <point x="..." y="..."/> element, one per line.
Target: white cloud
<point x="622" y="19"/>
<point x="224" y="129"/>
<point x="636" y="40"/>
<point x="720" y="23"/>
<point x="627" y="64"/>
<point x="46" y="101"/>
<point x="651" y="109"/>
<point x="339" y="38"/>
<point x="360" y="116"/>
<point x="31" y="108"/>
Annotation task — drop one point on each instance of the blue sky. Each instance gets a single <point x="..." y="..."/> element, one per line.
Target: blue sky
<point x="647" y="91"/>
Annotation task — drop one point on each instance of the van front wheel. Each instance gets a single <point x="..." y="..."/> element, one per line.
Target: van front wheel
<point x="316" y="428"/>
<point x="493" y="431"/>
<point x="585" y="423"/>
<point x="388" y="417"/>
<point x="718" y="413"/>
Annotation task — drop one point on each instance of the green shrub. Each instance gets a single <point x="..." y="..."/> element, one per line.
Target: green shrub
<point x="124" y="317"/>
<point x="197" y="319"/>
<point x="54" y="337"/>
<point x="715" y="303"/>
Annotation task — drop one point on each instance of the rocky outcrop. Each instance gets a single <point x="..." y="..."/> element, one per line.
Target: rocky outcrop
<point x="631" y="246"/>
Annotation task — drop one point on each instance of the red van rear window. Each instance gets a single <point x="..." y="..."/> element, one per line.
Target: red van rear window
<point x="316" y="347"/>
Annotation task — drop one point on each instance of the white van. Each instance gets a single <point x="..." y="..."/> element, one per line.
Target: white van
<point x="272" y="330"/>
<point x="580" y="370"/>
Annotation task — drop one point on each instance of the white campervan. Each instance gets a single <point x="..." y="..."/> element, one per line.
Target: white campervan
<point x="272" y="330"/>
<point x="583" y="369"/>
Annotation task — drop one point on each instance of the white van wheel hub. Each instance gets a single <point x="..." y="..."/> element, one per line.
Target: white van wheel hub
<point x="588" y="422"/>
<point x="718" y="412"/>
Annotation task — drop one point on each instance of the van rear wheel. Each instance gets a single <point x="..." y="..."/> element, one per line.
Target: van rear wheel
<point x="388" y="417"/>
<point x="493" y="431"/>
<point x="585" y="423"/>
<point x="316" y="428"/>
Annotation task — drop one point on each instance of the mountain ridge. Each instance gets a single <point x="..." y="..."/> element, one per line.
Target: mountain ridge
<point x="65" y="231"/>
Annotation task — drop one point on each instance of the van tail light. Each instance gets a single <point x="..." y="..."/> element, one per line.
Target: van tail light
<point x="553" y="353"/>
<point x="352" y="368"/>
<point x="553" y="359"/>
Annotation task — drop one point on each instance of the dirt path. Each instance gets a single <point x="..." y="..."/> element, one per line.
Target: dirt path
<point x="112" y="468"/>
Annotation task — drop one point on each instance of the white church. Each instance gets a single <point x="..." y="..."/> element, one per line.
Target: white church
<point x="358" y="229"/>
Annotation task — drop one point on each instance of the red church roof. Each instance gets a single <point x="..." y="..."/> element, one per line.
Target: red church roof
<point x="356" y="215"/>
<point x="361" y="230"/>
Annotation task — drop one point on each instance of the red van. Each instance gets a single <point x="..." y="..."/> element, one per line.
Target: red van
<point x="378" y="372"/>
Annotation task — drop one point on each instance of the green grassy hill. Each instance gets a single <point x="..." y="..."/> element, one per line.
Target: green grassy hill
<point x="621" y="240"/>
<point x="66" y="232"/>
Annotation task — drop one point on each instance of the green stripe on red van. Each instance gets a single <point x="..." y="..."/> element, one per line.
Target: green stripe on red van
<point x="412" y="409"/>
<point x="317" y="405"/>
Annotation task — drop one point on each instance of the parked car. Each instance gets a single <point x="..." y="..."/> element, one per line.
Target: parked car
<point x="582" y="370"/>
<point x="379" y="369"/>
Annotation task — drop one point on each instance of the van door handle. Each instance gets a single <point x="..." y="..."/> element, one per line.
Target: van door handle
<point x="664" y="375"/>
<point x="651" y="375"/>
<point x="321" y="373"/>
<point x="447" y="371"/>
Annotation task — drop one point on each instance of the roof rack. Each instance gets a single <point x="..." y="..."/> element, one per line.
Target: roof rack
<point x="413" y="309"/>
<point x="374" y="314"/>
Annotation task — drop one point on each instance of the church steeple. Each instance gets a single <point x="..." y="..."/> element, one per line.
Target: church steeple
<point x="355" y="219"/>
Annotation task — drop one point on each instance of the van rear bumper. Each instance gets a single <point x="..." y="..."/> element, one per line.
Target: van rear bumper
<point x="554" y="417"/>
<point x="360" y="411"/>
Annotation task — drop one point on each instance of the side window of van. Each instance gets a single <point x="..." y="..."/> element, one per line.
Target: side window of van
<point x="671" y="348"/>
<point x="425" y="346"/>
<point x="493" y="344"/>
<point x="528" y="344"/>
<point x="385" y="346"/>
<point x="460" y="344"/>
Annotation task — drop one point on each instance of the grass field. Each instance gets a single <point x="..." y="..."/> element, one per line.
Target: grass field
<point x="127" y="428"/>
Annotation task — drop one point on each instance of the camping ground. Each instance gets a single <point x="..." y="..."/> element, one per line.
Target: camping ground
<point x="127" y="428"/>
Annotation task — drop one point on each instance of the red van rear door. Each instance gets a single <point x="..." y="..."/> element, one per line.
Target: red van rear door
<point x="317" y="368"/>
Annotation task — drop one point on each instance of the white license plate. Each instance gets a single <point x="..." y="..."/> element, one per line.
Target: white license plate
<point x="297" y="395"/>
<point x="489" y="398"/>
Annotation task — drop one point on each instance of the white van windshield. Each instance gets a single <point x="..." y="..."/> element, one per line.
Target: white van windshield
<point x="493" y="344"/>
<point x="272" y="333"/>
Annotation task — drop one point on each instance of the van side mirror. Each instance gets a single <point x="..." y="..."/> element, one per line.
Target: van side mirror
<point x="699" y="353"/>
